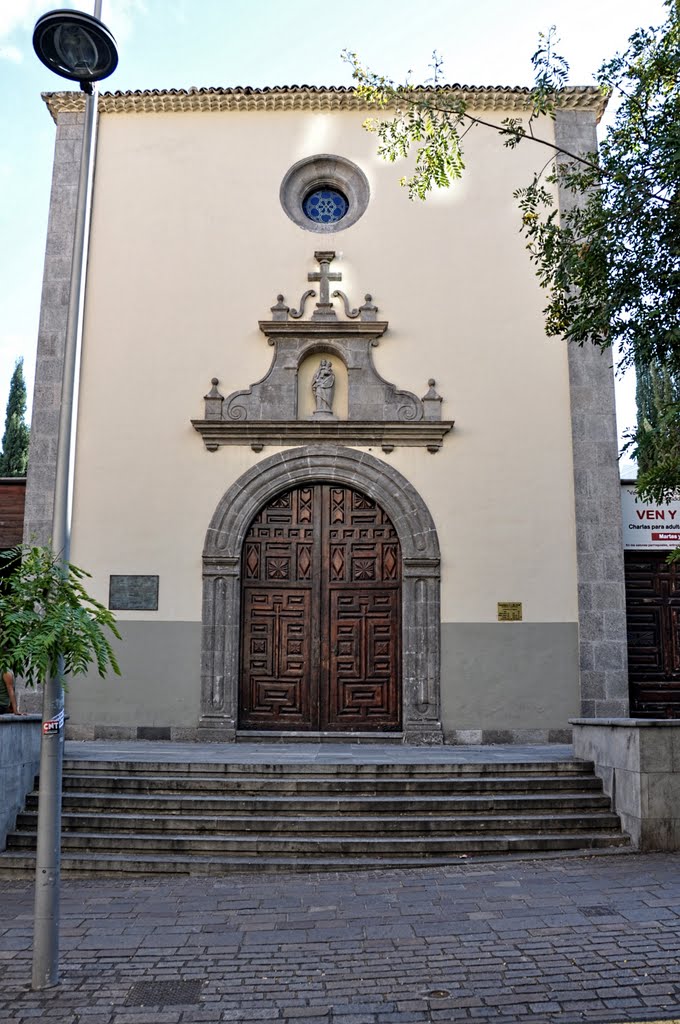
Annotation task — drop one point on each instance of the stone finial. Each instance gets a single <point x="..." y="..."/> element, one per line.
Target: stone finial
<point x="432" y="402"/>
<point x="368" y="310"/>
<point x="280" y="310"/>
<point x="213" y="402"/>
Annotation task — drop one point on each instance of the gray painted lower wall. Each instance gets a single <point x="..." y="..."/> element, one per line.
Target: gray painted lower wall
<point x="160" y="685"/>
<point x="509" y="677"/>
<point x="511" y="681"/>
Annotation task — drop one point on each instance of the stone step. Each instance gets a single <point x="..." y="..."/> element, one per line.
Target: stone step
<point x="195" y="862"/>
<point x="295" y="804"/>
<point x="340" y="784"/>
<point x="166" y="817"/>
<point x="296" y="768"/>
<point x="328" y="824"/>
<point x="21" y="864"/>
<point x="310" y="846"/>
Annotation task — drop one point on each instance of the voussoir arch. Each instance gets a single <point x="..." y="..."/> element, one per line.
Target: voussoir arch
<point x="379" y="481"/>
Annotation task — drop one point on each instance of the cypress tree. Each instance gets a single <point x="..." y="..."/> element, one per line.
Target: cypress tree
<point x="656" y="439"/>
<point x="14" y="456"/>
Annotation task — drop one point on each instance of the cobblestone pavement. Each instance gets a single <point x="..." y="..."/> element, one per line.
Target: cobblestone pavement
<point x="569" y="940"/>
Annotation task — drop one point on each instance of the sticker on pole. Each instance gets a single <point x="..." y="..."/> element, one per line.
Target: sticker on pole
<point x="54" y="724"/>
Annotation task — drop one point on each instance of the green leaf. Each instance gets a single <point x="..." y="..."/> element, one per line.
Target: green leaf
<point x="48" y="616"/>
<point x="609" y="258"/>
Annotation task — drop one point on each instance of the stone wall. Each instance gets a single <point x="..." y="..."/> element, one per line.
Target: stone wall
<point x="599" y="535"/>
<point x="638" y="761"/>
<point x="19" y="763"/>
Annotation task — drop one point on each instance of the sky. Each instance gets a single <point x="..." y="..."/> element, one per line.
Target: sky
<point x="180" y="43"/>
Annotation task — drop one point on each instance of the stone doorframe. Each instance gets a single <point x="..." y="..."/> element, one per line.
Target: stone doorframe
<point x="220" y="645"/>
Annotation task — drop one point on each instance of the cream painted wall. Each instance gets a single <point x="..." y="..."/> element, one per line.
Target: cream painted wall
<point x="190" y="247"/>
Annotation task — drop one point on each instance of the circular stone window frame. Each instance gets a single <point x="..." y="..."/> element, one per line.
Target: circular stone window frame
<point x="319" y="172"/>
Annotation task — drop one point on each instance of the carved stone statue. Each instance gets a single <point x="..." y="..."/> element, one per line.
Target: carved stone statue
<point x="323" y="387"/>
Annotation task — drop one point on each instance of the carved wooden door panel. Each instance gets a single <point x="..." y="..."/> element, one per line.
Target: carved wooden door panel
<point x="279" y="653"/>
<point x="361" y="637"/>
<point x="321" y="613"/>
<point x="653" y="615"/>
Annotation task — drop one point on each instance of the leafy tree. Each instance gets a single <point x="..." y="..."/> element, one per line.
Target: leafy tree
<point x="657" y="399"/>
<point x="50" y="624"/>
<point x="610" y="262"/>
<point x="14" y="456"/>
<point x="656" y="438"/>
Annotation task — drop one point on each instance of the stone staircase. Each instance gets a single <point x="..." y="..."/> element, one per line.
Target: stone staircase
<point x="201" y="818"/>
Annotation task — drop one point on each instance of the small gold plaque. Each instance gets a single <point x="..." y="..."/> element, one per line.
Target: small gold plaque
<point x="509" y="611"/>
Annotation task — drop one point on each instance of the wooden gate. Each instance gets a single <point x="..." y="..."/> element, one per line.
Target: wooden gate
<point x="653" y="614"/>
<point x="321" y="615"/>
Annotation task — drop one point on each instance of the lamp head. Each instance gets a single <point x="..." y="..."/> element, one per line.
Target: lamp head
<point x="76" y="46"/>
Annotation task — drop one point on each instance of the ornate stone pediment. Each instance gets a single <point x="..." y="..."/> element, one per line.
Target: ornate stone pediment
<point x="272" y="411"/>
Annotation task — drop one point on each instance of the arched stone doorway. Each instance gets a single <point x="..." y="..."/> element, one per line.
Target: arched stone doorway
<point x="321" y="614"/>
<point x="222" y="580"/>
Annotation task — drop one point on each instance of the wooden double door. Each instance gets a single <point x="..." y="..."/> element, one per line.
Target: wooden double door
<point x="321" y="615"/>
<point x="653" y="614"/>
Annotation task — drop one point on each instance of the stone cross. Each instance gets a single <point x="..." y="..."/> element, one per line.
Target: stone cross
<point x="324" y="308"/>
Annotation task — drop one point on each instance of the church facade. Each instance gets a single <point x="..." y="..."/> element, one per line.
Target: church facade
<point x="330" y="474"/>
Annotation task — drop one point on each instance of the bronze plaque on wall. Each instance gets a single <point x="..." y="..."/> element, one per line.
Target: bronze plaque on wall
<point x="509" y="611"/>
<point x="133" y="593"/>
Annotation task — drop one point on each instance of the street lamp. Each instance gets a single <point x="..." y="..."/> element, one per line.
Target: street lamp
<point x="78" y="47"/>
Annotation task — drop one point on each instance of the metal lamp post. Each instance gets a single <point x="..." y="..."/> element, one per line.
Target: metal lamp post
<point x="79" y="47"/>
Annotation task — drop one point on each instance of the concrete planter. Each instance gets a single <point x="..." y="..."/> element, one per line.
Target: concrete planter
<point x="638" y="761"/>
<point x="19" y="763"/>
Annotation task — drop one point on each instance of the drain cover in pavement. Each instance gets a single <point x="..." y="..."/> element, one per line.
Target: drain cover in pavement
<point x="164" y="993"/>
